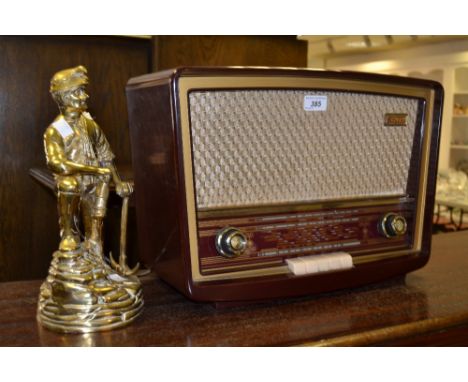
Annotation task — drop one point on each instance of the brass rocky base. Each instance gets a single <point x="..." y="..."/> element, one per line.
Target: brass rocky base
<point x="83" y="294"/>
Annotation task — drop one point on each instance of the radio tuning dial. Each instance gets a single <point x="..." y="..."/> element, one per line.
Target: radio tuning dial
<point x="393" y="225"/>
<point x="230" y="242"/>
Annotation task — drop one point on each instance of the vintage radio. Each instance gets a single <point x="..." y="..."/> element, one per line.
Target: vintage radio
<point x="256" y="183"/>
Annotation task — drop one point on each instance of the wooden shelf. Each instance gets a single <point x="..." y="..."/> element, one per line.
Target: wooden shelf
<point x="427" y="308"/>
<point x="461" y="116"/>
<point x="459" y="147"/>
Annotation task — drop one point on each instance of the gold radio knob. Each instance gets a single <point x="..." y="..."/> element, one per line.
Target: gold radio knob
<point x="393" y="225"/>
<point x="230" y="242"/>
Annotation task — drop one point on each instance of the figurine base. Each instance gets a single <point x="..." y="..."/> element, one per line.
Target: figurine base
<point x="83" y="294"/>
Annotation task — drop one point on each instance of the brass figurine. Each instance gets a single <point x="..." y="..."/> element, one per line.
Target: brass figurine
<point x="82" y="292"/>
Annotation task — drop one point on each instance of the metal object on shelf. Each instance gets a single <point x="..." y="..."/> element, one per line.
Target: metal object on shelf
<point x="82" y="292"/>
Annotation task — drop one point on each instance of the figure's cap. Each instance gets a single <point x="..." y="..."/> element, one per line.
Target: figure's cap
<point x="69" y="78"/>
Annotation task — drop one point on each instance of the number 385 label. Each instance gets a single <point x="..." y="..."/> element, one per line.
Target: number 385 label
<point x="315" y="103"/>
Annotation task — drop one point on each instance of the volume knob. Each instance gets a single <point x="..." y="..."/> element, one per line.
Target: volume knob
<point x="393" y="225"/>
<point x="230" y="242"/>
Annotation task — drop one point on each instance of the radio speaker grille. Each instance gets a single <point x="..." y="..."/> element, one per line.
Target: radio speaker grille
<point x="261" y="147"/>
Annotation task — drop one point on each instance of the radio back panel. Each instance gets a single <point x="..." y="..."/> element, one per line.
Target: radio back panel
<point x="259" y="183"/>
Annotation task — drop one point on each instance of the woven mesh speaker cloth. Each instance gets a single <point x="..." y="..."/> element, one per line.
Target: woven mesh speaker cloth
<point x="258" y="147"/>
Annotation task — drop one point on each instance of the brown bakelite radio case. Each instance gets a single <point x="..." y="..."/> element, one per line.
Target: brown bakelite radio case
<point x="257" y="183"/>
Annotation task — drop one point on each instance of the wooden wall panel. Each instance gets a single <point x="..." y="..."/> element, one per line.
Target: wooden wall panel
<point x="172" y="51"/>
<point x="28" y="217"/>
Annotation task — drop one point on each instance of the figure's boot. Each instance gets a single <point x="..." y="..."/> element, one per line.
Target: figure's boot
<point x="98" y="213"/>
<point x="94" y="242"/>
<point x="67" y="206"/>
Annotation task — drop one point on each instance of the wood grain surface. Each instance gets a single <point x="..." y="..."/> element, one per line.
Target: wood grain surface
<point x="172" y="51"/>
<point x="428" y="307"/>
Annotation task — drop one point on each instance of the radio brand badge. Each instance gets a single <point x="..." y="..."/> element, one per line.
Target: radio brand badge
<point x="393" y="119"/>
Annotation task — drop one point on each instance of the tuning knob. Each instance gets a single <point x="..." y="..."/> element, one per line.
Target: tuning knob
<point x="393" y="225"/>
<point x="230" y="242"/>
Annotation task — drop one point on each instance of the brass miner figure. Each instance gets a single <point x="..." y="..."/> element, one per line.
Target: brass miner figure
<point x="82" y="293"/>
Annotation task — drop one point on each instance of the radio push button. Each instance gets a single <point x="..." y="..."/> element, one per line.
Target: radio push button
<point x="230" y="242"/>
<point x="393" y="225"/>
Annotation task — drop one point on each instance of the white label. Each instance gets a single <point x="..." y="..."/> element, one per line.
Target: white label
<point x="63" y="127"/>
<point x="315" y="103"/>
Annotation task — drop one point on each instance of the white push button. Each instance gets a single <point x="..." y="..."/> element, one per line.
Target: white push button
<point x="297" y="266"/>
<point x="320" y="263"/>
